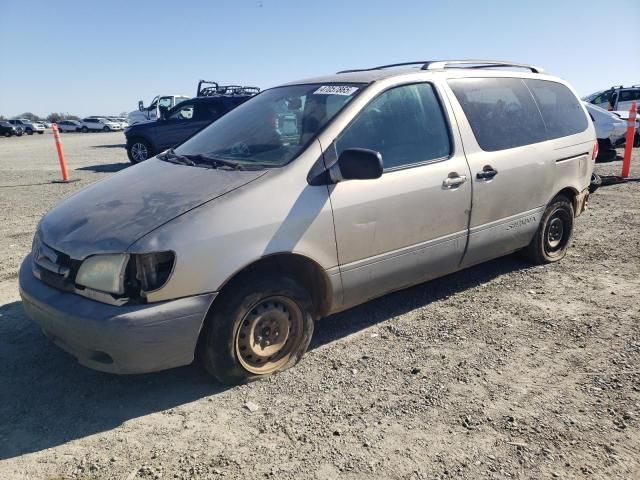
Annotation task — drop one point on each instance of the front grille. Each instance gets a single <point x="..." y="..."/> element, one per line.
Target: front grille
<point x="52" y="267"/>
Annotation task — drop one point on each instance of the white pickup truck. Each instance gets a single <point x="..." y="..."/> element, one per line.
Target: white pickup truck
<point x="145" y="114"/>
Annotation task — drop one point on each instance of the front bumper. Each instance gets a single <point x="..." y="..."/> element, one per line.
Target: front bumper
<point x="127" y="339"/>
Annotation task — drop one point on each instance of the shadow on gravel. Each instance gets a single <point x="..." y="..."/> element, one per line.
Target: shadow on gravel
<point x="47" y="399"/>
<point x="106" y="167"/>
<point x="111" y="145"/>
<point x="384" y="308"/>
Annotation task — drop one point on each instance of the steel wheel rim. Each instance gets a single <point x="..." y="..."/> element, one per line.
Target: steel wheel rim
<point x="556" y="233"/>
<point x="139" y="152"/>
<point x="269" y="334"/>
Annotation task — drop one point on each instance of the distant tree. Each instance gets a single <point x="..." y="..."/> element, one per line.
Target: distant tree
<point x="55" y="117"/>
<point x="2" y="117"/>
<point x="123" y="114"/>
<point x="29" y="116"/>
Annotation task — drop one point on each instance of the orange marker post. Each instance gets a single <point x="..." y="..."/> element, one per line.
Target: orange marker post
<point x="628" y="147"/>
<point x="63" y="163"/>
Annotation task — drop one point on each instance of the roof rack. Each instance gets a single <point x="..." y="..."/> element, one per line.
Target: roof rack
<point x="214" y="89"/>
<point x="442" y="64"/>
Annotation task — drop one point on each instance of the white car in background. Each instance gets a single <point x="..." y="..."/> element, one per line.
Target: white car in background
<point x="96" y="124"/>
<point x="610" y="131"/>
<point x="120" y="121"/>
<point x="28" y="126"/>
<point x="69" y="126"/>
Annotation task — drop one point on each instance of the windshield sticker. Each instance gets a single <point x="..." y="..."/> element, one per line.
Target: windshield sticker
<point x="336" y="90"/>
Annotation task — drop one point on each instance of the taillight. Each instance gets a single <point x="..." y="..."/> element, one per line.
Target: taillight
<point x="595" y="151"/>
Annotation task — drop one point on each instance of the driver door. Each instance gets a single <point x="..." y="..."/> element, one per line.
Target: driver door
<point x="409" y="225"/>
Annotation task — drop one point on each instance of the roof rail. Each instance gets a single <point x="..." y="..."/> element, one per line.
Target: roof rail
<point x="442" y="64"/>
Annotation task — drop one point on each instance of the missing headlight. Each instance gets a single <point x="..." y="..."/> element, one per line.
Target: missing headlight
<point x="153" y="270"/>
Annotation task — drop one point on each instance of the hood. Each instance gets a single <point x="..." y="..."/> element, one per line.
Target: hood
<point x="110" y="215"/>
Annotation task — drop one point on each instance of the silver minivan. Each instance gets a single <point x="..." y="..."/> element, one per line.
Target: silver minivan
<point x="231" y="245"/>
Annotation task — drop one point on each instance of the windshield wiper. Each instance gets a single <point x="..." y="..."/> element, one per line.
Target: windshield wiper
<point x="199" y="160"/>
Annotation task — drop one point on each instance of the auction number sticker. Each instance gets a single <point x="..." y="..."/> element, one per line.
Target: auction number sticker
<point x="336" y="90"/>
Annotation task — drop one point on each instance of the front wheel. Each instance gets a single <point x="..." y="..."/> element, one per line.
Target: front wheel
<point x="84" y="129"/>
<point x="256" y="328"/>
<point x="7" y="134"/>
<point x="106" y="129"/>
<point x="551" y="241"/>
<point x="138" y="151"/>
<point x="29" y="131"/>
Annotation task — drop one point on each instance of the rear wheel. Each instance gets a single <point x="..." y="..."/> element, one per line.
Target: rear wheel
<point x="29" y="131"/>
<point x="256" y="328"/>
<point x="7" y="134"/>
<point x="138" y="150"/>
<point x="106" y="129"/>
<point x="551" y="240"/>
<point x="84" y="129"/>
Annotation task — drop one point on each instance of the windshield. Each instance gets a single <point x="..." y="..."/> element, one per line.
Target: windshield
<point x="272" y="128"/>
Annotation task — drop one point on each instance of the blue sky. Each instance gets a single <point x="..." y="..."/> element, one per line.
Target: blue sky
<point x="94" y="58"/>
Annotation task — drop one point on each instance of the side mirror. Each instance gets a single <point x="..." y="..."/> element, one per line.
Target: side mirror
<point x="140" y="105"/>
<point x="357" y="164"/>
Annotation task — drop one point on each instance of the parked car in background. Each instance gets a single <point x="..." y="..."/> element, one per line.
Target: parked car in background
<point x="120" y="121"/>
<point x="145" y="114"/>
<point x="144" y="140"/>
<point x="625" y="116"/>
<point x="28" y="126"/>
<point x="236" y="241"/>
<point x="69" y="126"/>
<point x="610" y="131"/>
<point x="8" y="130"/>
<point x="98" y="124"/>
<point x="45" y="124"/>
<point x="615" y="98"/>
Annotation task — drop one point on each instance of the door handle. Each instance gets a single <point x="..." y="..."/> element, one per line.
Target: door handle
<point x="487" y="173"/>
<point x="454" y="180"/>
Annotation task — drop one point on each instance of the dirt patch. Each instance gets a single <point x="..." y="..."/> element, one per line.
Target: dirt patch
<point x="501" y="371"/>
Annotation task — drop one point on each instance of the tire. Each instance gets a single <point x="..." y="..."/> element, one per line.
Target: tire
<point x="551" y="240"/>
<point x="40" y="132"/>
<point x="7" y="134"/>
<point x="247" y="311"/>
<point x="29" y="131"/>
<point x="139" y="150"/>
<point x="84" y="130"/>
<point x="106" y="129"/>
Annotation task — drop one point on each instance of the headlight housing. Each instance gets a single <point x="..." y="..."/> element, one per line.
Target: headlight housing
<point x="126" y="275"/>
<point x="105" y="273"/>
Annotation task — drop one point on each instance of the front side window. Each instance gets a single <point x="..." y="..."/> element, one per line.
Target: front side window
<point x="603" y="99"/>
<point x="272" y="128"/>
<point x="405" y="124"/>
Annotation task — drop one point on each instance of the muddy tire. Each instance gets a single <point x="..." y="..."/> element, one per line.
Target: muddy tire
<point x="551" y="240"/>
<point x="257" y="327"/>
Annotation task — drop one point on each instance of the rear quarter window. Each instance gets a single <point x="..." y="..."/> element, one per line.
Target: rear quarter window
<point x="561" y="110"/>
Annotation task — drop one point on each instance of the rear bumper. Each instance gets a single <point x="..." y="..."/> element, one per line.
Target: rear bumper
<point x="128" y="339"/>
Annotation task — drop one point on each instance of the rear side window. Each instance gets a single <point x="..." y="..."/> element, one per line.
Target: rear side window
<point x="405" y="124"/>
<point x="629" y="95"/>
<point x="501" y="112"/>
<point x="561" y="111"/>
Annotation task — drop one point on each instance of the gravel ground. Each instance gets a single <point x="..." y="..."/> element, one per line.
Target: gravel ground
<point x="501" y="371"/>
